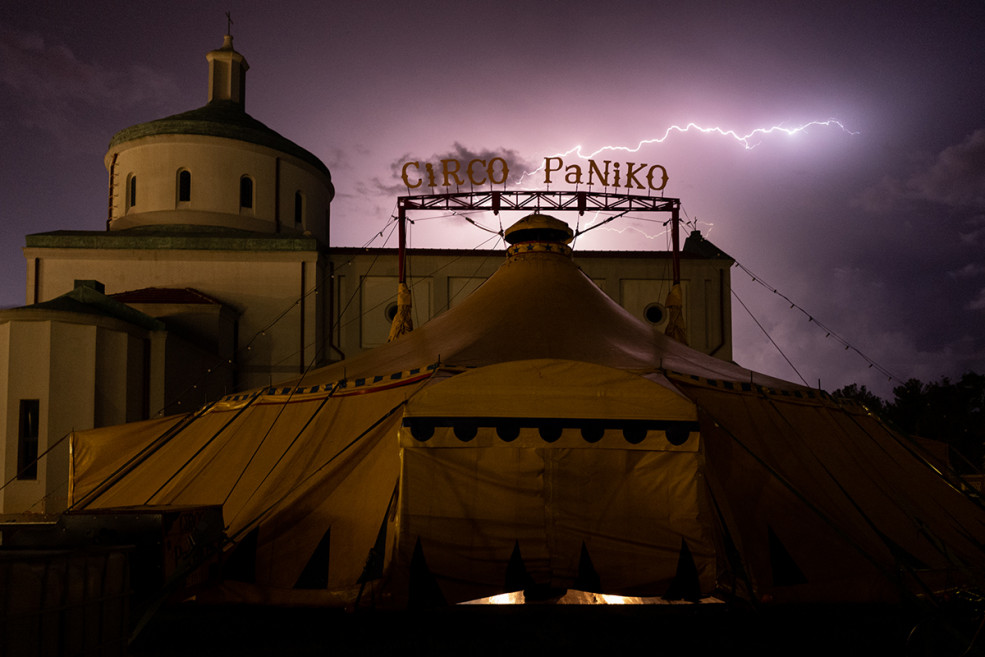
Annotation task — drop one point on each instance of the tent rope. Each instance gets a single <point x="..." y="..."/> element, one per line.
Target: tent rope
<point x="801" y="497"/>
<point x="770" y="338"/>
<point x="947" y="474"/>
<point x="36" y="460"/>
<point x="324" y="401"/>
<point x="191" y="458"/>
<point x="138" y="458"/>
<point x="601" y="223"/>
<point x="256" y="519"/>
<point x="200" y="381"/>
<point x="829" y="333"/>
<point x="866" y="518"/>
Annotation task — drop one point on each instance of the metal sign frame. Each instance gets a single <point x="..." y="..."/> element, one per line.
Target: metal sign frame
<point x="538" y="201"/>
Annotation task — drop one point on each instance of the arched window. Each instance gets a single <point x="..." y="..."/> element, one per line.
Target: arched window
<point x="246" y="192"/>
<point x="184" y="186"/>
<point x="131" y="191"/>
<point x="298" y="208"/>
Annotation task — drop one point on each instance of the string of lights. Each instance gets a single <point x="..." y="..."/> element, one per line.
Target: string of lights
<point x="829" y="332"/>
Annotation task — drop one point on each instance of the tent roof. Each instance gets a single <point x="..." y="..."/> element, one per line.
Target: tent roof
<point x="551" y="388"/>
<point x="539" y="304"/>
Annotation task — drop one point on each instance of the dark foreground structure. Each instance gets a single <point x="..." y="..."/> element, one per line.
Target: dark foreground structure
<point x="661" y="630"/>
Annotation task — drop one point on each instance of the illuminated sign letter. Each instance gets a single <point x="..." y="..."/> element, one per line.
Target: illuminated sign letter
<point x="491" y="171"/>
<point x="663" y="179"/>
<point x="453" y="172"/>
<point x="573" y="175"/>
<point x="594" y="169"/>
<point x="631" y="175"/>
<point x="472" y="175"/>
<point x="403" y="174"/>
<point x="548" y="168"/>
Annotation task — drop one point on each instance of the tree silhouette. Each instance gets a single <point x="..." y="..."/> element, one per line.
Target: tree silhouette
<point x="951" y="412"/>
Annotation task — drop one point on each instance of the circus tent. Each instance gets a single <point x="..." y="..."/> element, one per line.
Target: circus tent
<point x="537" y="437"/>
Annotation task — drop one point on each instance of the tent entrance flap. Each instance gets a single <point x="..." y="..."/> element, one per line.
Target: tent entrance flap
<point x="629" y="510"/>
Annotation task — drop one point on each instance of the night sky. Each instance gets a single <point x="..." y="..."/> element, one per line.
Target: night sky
<point x="876" y="229"/>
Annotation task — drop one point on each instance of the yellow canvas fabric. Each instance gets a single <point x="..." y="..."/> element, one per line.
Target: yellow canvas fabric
<point x="849" y="502"/>
<point x="628" y="509"/>
<point x="537" y="435"/>
<point x="552" y="388"/>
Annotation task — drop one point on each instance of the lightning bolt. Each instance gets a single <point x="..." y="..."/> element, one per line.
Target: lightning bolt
<point x="621" y="230"/>
<point x="749" y="140"/>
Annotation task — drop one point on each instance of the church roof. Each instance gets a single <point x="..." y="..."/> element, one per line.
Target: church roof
<point x="219" y="118"/>
<point x="85" y="300"/>
<point x="176" y="236"/>
<point x="187" y="295"/>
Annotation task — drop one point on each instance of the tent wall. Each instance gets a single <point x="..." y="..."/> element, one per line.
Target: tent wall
<point x="824" y="503"/>
<point x="606" y="516"/>
<point x="296" y="474"/>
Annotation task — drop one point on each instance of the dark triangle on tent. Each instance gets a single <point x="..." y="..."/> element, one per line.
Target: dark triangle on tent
<point x="685" y="585"/>
<point x="424" y="592"/>
<point x="903" y="557"/>
<point x="241" y="564"/>
<point x="739" y="574"/>
<point x="315" y="573"/>
<point x="374" y="560"/>
<point x="588" y="579"/>
<point x="786" y="572"/>
<point x="517" y="577"/>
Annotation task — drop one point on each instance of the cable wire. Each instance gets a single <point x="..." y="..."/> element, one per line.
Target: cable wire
<point x="769" y="337"/>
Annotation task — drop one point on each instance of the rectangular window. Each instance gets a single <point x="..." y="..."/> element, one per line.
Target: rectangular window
<point x="298" y="207"/>
<point x="27" y="441"/>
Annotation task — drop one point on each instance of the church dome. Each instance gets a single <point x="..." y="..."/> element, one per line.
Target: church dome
<point x="219" y="118"/>
<point x="217" y="166"/>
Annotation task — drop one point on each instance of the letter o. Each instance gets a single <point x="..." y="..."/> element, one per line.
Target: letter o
<point x="491" y="171"/>
<point x="663" y="178"/>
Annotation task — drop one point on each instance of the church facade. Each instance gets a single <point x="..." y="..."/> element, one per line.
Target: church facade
<point x="215" y="274"/>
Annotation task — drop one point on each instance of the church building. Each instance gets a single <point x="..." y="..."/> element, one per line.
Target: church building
<point x="216" y="274"/>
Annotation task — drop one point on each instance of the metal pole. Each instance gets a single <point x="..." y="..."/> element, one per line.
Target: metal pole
<point x="402" y="239"/>
<point x="675" y="234"/>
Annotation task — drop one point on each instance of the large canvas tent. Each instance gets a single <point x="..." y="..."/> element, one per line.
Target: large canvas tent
<point x="538" y="437"/>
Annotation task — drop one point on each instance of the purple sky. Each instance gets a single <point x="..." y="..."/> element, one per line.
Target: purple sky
<point x="877" y="231"/>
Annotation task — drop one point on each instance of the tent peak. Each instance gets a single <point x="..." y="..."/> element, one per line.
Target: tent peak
<point x="538" y="232"/>
<point x="539" y="228"/>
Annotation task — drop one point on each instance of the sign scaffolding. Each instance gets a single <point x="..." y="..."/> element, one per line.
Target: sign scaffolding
<point x="539" y="201"/>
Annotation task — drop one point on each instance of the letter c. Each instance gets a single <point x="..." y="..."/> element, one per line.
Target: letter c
<point x="403" y="174"/>
<point x="472" y="176"/>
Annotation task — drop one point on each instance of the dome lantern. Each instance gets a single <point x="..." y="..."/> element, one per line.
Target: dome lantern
<point x="227" y="74"/>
